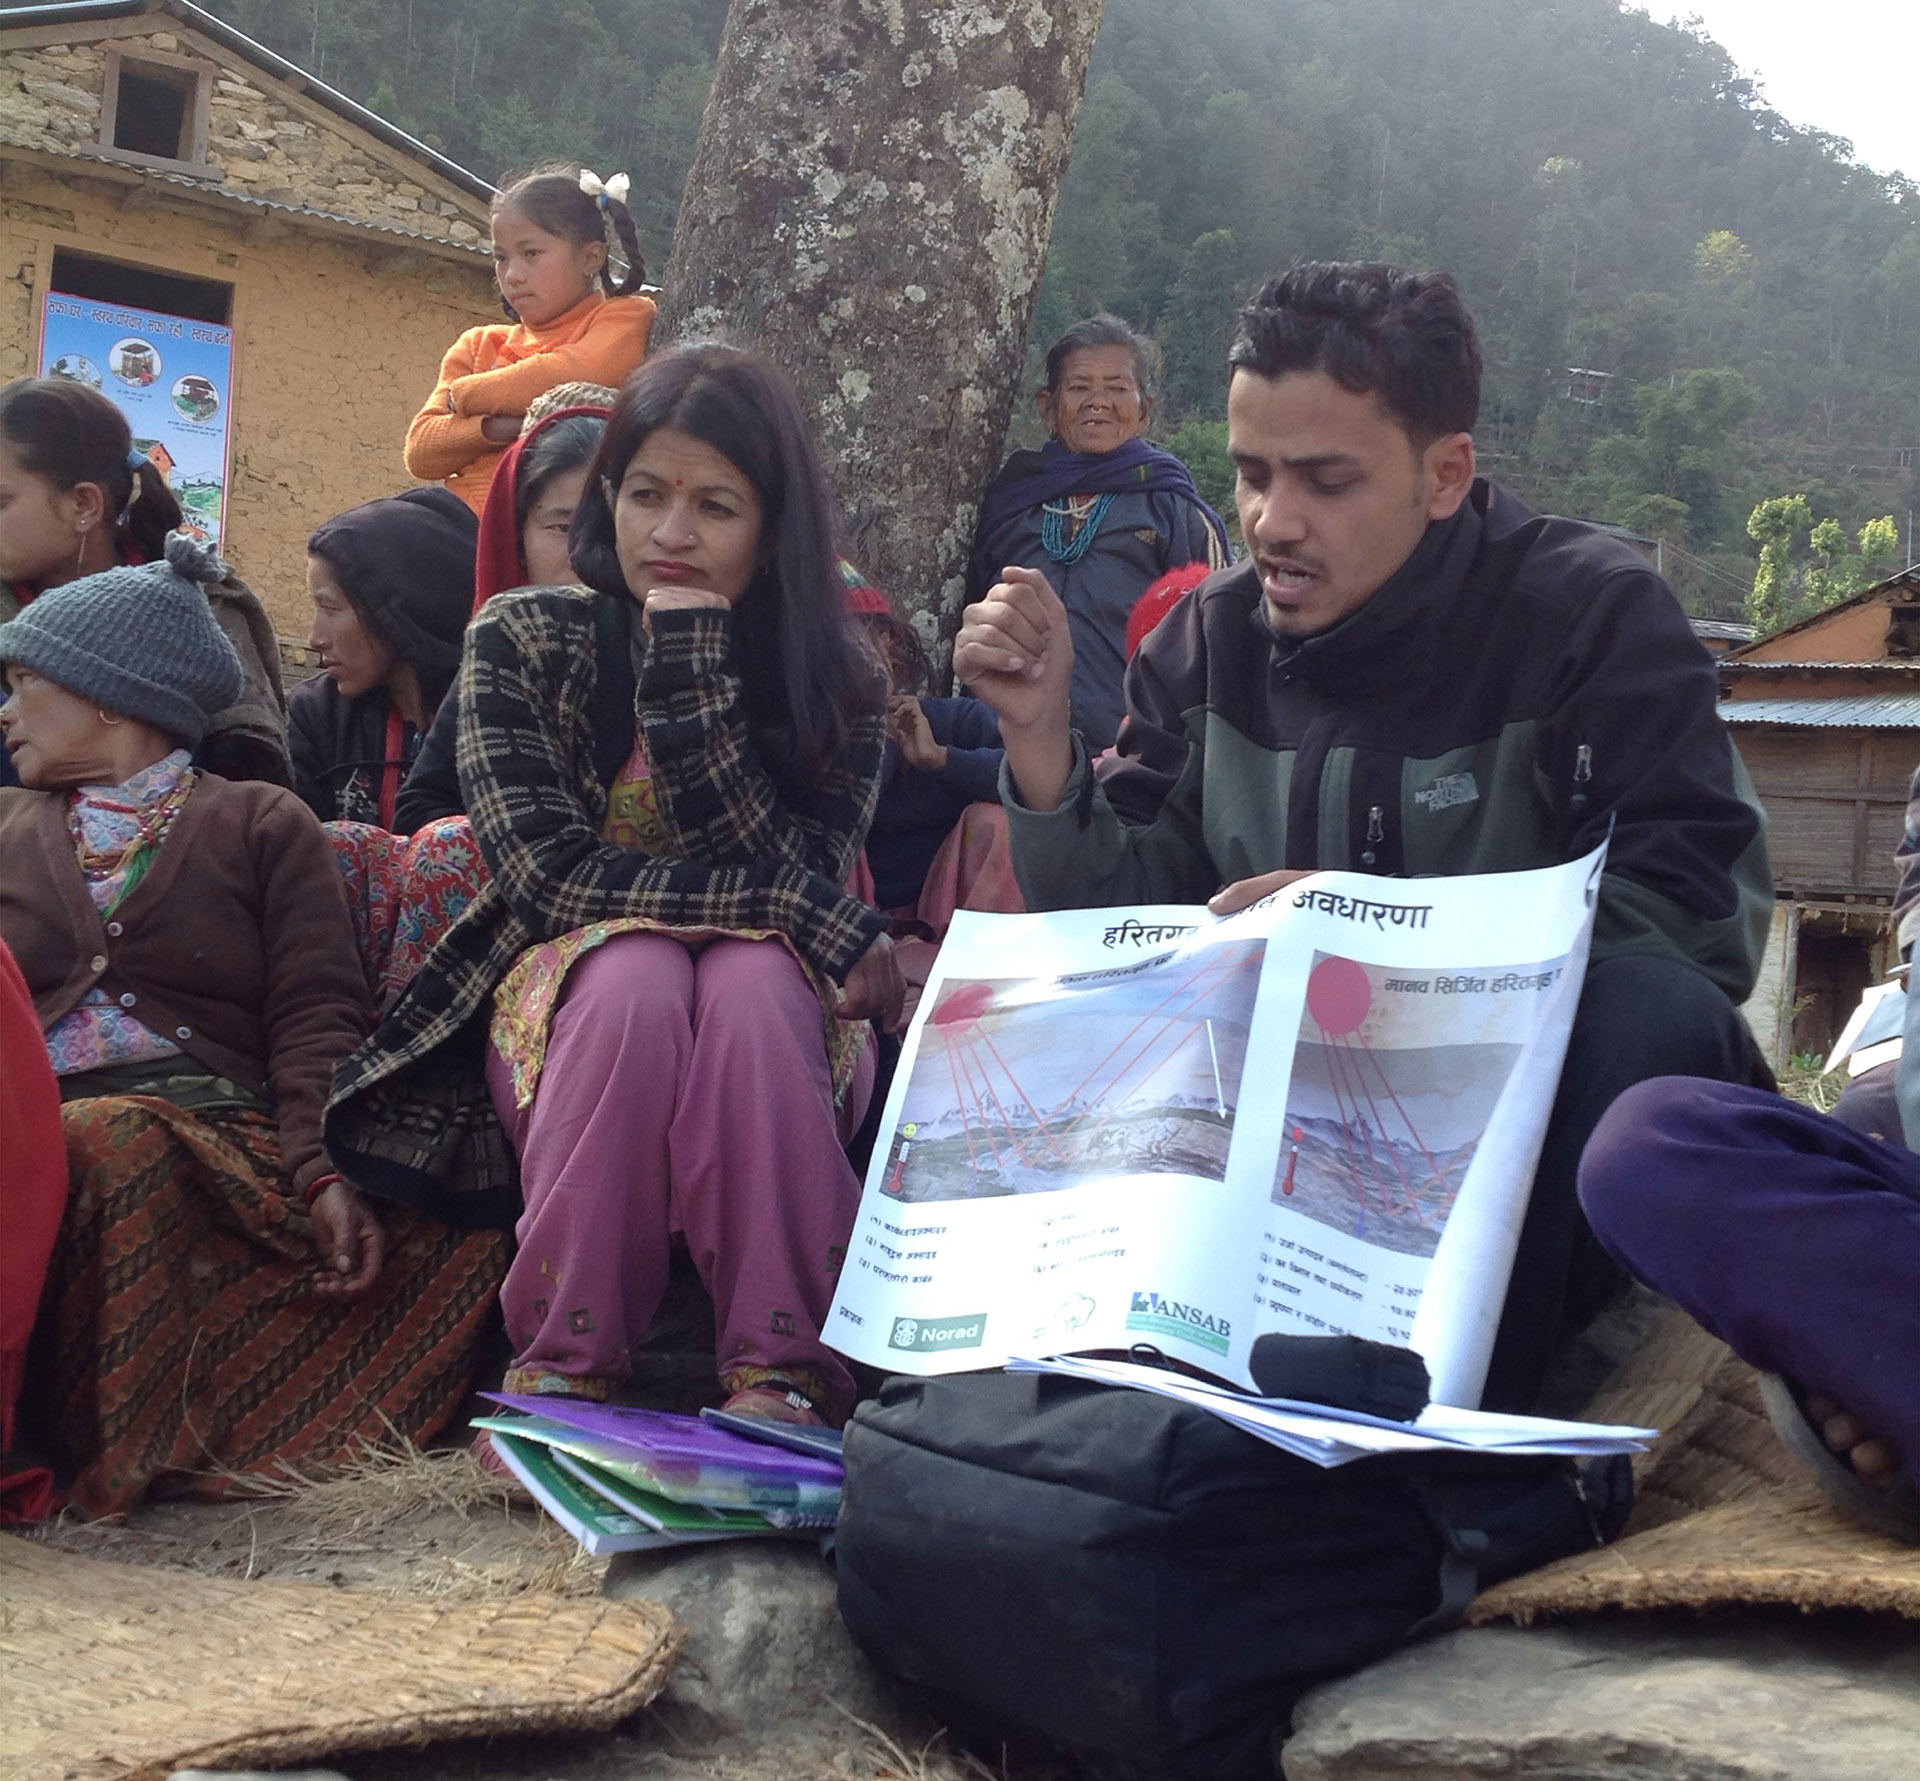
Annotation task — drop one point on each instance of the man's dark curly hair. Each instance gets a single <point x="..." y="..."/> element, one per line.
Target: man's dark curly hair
<point x="1405" y="337"/>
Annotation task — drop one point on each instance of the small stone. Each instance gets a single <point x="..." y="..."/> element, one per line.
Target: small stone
<point x="58" y="93"/>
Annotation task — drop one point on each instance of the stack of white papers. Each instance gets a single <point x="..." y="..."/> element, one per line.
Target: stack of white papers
<point x="1330" y="1437"/>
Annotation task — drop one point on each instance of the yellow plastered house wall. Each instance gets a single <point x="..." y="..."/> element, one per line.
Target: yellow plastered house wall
<point x="354" y="255"/>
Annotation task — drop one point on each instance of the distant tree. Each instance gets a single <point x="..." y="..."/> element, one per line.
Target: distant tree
<point x="1722" y="257"/>
<point x="1685" y="447"/>
<point x="1197" y="326"/>
<point x="1107" y="250"/>
<point x="1202" y="446"/>
<point x="1775" y="525"/>
<point x="1806" y="567"/>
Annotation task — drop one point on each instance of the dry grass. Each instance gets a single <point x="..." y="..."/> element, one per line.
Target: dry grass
<point x="396" y="1518"/>
<point x="395" y="1501"/>
<point x="885" y="1757"/>
<point x="1804" y="1080"/>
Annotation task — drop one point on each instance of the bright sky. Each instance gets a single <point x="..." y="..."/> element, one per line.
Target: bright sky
<point x="1848" y="67"/>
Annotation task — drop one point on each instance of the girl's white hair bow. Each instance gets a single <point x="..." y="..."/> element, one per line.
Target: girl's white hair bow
<point x="612" y="190"/>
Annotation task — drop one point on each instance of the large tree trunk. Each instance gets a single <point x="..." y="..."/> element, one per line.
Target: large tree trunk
<point x="869" y="204"/>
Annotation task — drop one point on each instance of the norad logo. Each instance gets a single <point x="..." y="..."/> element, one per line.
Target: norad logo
<point x="1166" y="1317"/>
<point x="931" y="1335"/>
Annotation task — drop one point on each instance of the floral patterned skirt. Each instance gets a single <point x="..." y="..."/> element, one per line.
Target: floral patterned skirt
<point x="404" y="891"/>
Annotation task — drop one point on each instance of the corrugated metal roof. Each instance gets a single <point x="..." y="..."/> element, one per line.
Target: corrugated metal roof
<point x="1872" y="711"/>
<point x="1907" y="666"/>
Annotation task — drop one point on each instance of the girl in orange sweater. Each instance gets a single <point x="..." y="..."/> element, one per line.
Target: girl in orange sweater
<point x="549" y="253"/>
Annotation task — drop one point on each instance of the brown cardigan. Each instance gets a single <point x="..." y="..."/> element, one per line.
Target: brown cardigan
<point x="236" y="945"/>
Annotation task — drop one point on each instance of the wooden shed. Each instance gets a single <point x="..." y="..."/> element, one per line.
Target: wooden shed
<point x="1826" y="713"/>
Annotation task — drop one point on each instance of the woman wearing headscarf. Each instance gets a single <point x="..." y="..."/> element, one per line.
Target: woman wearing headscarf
<point x="392" y="584"/>
<point x="218" y="1300"/>
<point x="1099" y="510"/>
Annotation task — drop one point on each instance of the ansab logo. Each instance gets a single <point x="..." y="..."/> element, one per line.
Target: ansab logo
<point x="1168" y="1317"/>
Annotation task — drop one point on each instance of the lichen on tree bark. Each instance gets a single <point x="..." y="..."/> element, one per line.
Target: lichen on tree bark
<point x="869" y="204"/>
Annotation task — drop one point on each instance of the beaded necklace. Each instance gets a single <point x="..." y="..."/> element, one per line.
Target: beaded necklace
<point x="1083" y="513"/>
<point x="113" y="867"/>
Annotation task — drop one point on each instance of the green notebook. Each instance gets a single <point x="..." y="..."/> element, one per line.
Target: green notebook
<point x="587" y="1516"/>
<point x="586" y="1457"/>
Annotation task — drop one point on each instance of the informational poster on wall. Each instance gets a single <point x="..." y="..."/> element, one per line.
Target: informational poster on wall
<point x="170" y="376"/>
<point x="1151" y="1125"/>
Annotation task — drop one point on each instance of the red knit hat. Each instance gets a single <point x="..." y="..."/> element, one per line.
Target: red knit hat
<point x="1160" y="598"/>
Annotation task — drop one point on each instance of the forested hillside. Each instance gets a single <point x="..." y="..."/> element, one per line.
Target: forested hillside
<point x="1742" y="302"/>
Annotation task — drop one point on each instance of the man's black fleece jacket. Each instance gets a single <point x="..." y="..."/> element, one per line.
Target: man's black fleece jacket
<point x="1519" y="683"/>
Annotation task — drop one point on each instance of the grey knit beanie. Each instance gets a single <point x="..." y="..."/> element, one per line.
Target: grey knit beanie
<point x="140" y="641"/>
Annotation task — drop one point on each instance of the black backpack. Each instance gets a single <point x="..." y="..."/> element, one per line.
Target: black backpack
<point x="1127" y="1576"/>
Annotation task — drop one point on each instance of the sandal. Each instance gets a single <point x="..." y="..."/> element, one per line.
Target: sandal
<point x="779" y="1398"/>
<point x="1895" y="1512"/>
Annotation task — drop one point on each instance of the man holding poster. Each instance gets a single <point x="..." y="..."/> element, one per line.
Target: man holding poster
<point x="1414" y="675"/>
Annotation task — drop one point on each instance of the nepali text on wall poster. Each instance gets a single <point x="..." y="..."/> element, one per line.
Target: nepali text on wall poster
<point x="170" y="376"/>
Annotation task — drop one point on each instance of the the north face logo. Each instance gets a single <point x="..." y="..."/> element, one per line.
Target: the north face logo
<point x="1448" y="790"/>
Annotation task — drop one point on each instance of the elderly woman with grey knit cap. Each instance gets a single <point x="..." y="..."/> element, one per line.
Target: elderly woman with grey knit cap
<point x="218" y="1300"/>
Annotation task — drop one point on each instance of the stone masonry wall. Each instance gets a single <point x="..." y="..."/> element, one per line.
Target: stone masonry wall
<point x="264" y="147"/>
<point x="335" y="347"/>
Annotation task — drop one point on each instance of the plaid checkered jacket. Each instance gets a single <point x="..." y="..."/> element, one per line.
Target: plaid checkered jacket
<point x="410" y="1118"/>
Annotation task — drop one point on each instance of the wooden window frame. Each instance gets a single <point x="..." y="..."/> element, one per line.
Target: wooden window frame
<point x="199" y="96"/>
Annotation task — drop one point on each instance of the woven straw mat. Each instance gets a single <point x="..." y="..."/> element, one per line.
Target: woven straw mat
<point x="123" y="1672"/>
<point x="1723" y="1513"/>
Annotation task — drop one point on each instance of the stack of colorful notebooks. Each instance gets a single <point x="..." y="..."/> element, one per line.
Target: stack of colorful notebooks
<point x="621" y="1480"/>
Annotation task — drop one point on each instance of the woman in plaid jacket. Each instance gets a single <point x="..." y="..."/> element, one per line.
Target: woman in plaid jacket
<point x="659" y="1001"/>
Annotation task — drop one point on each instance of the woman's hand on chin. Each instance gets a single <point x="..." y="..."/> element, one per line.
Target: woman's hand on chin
<point x="874" y="988"/>
<point x="348" y="1241"/>
<point x="680" y="599"/>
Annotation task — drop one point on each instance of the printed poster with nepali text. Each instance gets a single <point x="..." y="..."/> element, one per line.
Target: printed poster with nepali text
<point x="170" y="376"/>
<point x="1112" y="1127"/>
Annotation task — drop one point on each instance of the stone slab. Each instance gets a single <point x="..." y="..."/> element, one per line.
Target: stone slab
<point x="1649" y="1698"/>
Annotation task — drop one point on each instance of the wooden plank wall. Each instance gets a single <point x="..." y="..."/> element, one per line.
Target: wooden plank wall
<point x="1836" y="805"/>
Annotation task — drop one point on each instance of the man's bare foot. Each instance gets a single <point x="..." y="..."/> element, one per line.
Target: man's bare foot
<point x="1859" y="1471"/>
<point x="1873" y="1461"/>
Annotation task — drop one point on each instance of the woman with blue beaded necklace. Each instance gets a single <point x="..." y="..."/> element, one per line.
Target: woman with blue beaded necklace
<point x="1099" y="510"/>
